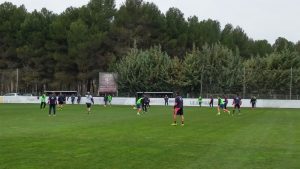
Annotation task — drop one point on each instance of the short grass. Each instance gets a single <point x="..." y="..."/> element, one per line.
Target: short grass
<point x="116" y="138"/>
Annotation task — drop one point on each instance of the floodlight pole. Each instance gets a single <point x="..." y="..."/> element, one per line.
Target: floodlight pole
<point x="291" y="83"/>
<point x="201" y="82"/>
<point x="17" y="85"/>
<point x="244" y="83"/>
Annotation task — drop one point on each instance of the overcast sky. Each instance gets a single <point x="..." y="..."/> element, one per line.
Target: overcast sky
<point x="260" y="19"/>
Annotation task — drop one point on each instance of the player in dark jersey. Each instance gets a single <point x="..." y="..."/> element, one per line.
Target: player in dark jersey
<point x="237" y="102"/>
<point x="178" y="110"/>
<point x="52" y="101"/>
<point x="72" y="98"/>
<point x="211" y="102"/>
<point x="146" y="103"/>
<point x="78" y="98"/>
<point x="225" y="102"/>
<point x="61" y="100"/>
<point x="105" y="100"/>
<point x="166" y="100"/>
<point x="253" y="101"/>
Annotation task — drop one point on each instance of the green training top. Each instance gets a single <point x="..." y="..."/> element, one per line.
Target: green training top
<point x="139" y="101"/>
<point x="200" y="99"/>
<point x="109" y="97"/>
<point x="221" y="101"/>
<point x="43" y="98"/>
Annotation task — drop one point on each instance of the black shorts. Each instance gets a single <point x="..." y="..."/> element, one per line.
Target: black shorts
<point x="222" y="106"/>
<point x="178" y="111"/>
<point x="88" y="105"/>
<point x="236" y="106"/>
<point x="60" y="102"/>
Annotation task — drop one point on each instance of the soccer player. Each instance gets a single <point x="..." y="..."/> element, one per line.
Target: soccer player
<point x="211" y="102"/>
<point x="166" y="100"/>
<point x="237" y="102"/>
<point x="178" y="110"/>
<point x="225" y="102"/>
<point x="105" y="100"/>
<point x="147" y="101"/>
<point x="139" y="105"/>
<point x="200" y="100"/>
<point x="61" y="100"/>
<point x="78" y="98"/>
<point x="221" y="105"/>
<point x="72" y="98"/>
<point x="109" y="98"/>
<point x="89" y="101"/>
<point x="143" y="103"/>
<point x="52" y="101"/>
<point x="43" y="101"/>
<point x="253" y="101"/>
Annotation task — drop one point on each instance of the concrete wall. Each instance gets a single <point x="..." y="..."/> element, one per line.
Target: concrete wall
<point x="160" y="101"/>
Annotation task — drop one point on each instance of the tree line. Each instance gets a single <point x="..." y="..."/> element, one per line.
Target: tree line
<point x="212" y="69"/>
<point x="67" y="51"/>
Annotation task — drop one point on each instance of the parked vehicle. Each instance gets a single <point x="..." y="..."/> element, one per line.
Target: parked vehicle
<point x="12" y="94"/>
<point x="27" y="94"/>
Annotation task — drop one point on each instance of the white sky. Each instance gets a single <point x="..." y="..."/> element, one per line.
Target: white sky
<point x="260" y="19"/>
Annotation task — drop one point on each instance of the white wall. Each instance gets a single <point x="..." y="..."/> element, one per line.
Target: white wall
<point x="160" y="101"/>
<point x="19" y="99"/>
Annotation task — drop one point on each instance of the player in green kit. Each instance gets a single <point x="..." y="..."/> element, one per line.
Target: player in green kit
<point x="200" y="100"/>
<point x="43" y="101"/>
<point x="139" y="105"/>
<point x="109" y="98"/>
<point x="221" y="105"/>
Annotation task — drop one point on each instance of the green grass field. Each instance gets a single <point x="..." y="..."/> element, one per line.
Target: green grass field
<point x="116" y="138"/>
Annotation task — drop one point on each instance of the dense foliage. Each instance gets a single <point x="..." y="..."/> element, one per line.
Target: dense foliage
<point x="145" y="46"/>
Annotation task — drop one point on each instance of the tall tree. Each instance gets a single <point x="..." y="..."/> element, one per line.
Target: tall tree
<point x="137" y="22"/>
<point x="281" y="44"/>
<point x="11" y="18"/>
<point x="176" y="40"/>
<point x="34" y="34"/>
<point x="204" y="32"/>
<point x="144" y="67"/>
<point x="261" y="48"/>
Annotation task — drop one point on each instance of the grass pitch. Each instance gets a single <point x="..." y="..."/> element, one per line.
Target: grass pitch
<point x="116" y="138"/>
